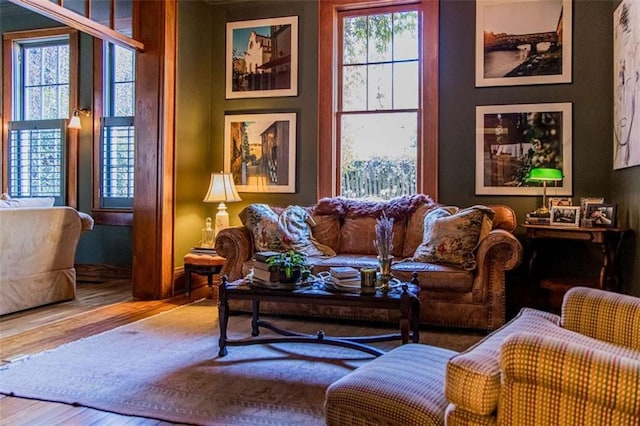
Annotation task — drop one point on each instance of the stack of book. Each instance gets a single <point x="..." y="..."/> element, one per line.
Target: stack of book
<point x="344" y="278"/>
<point x="534" y="218"/>
<point x="261" y="270"/>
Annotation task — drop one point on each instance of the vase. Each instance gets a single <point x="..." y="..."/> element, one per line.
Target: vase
<point x="294" y="277"/>
<point x="385" y="271"/>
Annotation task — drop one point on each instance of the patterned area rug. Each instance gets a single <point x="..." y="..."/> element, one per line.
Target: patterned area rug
<point x="166" y="367"/>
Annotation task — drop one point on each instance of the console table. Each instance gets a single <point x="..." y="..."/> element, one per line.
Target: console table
<point x="608" y="239"/>
<point x="403" y="299"/>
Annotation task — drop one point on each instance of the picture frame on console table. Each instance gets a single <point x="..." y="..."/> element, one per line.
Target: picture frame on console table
<point x="602" y="215"/>
<point x="262" y="58"/>
<point x="260" y="151"/>
<point x="523" y="42"/>
<point x="513" y="139"/>
<point x="564" y="216"/>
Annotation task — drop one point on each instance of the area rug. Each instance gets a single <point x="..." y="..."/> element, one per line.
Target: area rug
<point x="166" y="367"/>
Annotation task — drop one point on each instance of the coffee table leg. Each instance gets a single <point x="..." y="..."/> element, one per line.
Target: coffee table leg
<point x="223" y="316"/>
<point x="415" y="319"/>
<point x="255" y="330"/>
<point x="405" y="309"/>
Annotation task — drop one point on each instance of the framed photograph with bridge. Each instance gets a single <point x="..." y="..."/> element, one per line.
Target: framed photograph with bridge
<point x="262" y="58"/>
<point x="513" y="139"/>
<point x="260" y="151"/>
<point x="523" y="42"/>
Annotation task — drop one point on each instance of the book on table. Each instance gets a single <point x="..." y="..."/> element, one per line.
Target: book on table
<point x="265" y="274"/>
<point x="344" y="272"/>
<point x="263" y="256"/>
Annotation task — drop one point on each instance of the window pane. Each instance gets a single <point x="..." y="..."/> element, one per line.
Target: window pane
<point x="405" y="36"/>
<point x="354" y="88"/>
<point x="124" y="99"/>
<point x="355" y="40"/>
<point x="378" y="155"/>
<point x="33" y="64"/>
<point x="380" y="35"/>
<point x="50" y="71"/>
<point x="405" y="85"/>
<point x="124" y="70"/>
<point x="33" y="103"/>
<point x="379" y="87"/>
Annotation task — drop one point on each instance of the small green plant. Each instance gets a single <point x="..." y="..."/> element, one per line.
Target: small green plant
<point x="288" y="261"/>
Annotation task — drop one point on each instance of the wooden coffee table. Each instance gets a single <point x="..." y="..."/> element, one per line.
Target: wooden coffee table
<point x="403" y="299"/>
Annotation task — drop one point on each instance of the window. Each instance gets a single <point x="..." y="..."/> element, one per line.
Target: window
<point x="42" y="81"/>
<point x="378" y="117"/>
<point x="115" y="148"/>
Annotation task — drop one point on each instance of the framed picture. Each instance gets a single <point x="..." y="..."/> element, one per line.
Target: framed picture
<point x="513" y="139"/>
<point x="626" y="87"/>
<point x="564" y="216"/>
<point x="586" y="201"/>
<point x="559" y="202"/>
<point x="262" y="58"/>
<point x="260" y="151"/>
<point x="602" y="215"/>
<point x="523" y="42"/>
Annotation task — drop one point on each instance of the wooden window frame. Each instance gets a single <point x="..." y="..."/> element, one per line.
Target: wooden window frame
<point x="7" y="102"/>
<point x="102" y="216"/>
<point x="328" y="150"/>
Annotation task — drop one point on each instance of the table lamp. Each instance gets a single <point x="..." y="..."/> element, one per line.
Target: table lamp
<point x="221" y="190"/>
<point x="544" y="175"/>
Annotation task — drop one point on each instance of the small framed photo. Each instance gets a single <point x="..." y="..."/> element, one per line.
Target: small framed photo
<point x="602" y="215"/>
<point x="559" y="202"/>
<point x="565" y="216"/>
<point x="585" y="201"/>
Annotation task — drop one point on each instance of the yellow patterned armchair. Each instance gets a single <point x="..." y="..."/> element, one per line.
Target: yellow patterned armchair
<point x="582" y="368"/>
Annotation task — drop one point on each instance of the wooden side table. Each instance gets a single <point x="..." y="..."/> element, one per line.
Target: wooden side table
<point x="202" y="264"/>
<point x="609" y="240"/>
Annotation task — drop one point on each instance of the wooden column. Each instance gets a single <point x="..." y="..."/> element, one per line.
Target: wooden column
<point x="154" y="157"/>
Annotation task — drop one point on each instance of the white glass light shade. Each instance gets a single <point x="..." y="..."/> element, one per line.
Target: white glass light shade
<point x="74" y="123"/>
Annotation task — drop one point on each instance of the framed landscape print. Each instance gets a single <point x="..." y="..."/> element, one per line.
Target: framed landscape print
<point x="513" y="139"/>
<point x="523" y="42"/>
<point x="260" y="151"/>
<point x="626" y="84"/>
<point x="262" y="58"/>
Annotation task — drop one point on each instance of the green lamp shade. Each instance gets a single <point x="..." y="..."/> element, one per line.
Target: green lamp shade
<point x="543" y="174"/>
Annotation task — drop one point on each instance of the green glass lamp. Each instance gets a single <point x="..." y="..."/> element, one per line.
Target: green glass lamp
<point x="544" y="175"/>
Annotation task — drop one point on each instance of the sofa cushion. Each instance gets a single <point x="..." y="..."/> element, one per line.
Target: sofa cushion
<point x="291" y="229"/>
<point x="415" y="229"/>
<point x="452" y="235"/>
<point x="358" y="235"/>
<point x="8" y="202"/>
<point x="434" y="277"/>
<point x="327" y="229"/>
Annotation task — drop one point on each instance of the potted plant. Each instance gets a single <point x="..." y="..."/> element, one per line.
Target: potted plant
<point x="290" y="265"/>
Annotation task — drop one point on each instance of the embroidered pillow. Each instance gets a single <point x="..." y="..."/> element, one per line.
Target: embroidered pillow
<point x="452" y="235"/>
<point x="7" y="201"/>
<point x="291" y="229"/>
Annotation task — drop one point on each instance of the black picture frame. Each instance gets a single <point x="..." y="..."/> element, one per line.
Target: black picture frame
<point x="602" y="215"/>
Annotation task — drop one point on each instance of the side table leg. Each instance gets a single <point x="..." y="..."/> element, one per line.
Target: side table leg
<point x="223" y="316"/>
<point x="255" y="317"/>
<point x="187" y="278"/>
<point x="405" y="307"/>
<point x="415" y="320"/>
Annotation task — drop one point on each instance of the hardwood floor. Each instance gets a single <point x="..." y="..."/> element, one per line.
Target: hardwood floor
<point x="103" y="302"/>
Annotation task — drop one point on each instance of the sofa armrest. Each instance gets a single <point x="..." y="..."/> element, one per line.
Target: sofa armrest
<point x="235" y="245"/>
<point x="501" y="246"/>
<point x="602" y="315"/>
<point x="566" y="380"/>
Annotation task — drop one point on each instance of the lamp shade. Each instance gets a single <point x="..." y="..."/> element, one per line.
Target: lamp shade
<point x="545" y="174"/>
<point x="74" y="123"/>
<point x="221" y="189"/>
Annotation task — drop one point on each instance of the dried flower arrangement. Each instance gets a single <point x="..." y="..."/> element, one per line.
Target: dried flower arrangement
<point x="384" y="236"/>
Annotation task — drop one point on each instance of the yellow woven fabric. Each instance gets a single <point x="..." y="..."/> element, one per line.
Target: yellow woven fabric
<point x="603" y="315"/>
<point x="550" y="380"/>
<point x="473" y="376"/>
<point x="456" y="416"/>
<point x="402" y="387"/>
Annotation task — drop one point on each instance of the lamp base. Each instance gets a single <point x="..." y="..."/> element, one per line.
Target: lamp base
<point x="541" y="211"/>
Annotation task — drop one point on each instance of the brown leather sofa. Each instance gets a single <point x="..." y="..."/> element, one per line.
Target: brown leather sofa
<point x="449" y="295"/>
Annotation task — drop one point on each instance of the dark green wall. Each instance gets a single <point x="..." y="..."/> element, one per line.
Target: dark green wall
<point x="590" y="93"/>
<point x="109" y="245"/>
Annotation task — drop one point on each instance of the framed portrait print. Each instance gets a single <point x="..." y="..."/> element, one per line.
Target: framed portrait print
<point x="262" y="58"/>
<point x="602" y="215"/>
<point x="523" y="42"/>
<point x="564" y="216"/>
<point x="626" y="86"/>
<point x="260" y="151"/>
<point x="513" y="139"/>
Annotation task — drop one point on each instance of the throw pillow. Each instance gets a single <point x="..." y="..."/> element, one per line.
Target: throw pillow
<point x="9" y="202"/>
<point x="291" y="229"/>
<point x="452" y="235"/>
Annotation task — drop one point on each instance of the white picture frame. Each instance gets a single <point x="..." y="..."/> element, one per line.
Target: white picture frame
<point x="511" y="36"/>
<point x="260" y="151"/>
<point x="564" y="216"/>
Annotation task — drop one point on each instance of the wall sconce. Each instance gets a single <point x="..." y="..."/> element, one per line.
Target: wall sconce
<point x="221" y="190"/>
<point x="544" y="175"/>
<point x="74" y="123"/>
